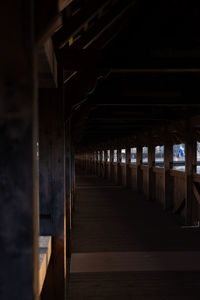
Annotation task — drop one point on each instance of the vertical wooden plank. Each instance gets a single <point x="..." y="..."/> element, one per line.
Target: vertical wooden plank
<point x="73" y="174"/>
<point x="190" y="163"/>
<point x="119" y="167"/>
<point x="88" y="162"/>
<point x="91" y="163"/>
<point x="168" y="180"/>
<point x="100" y="164"/>
<point x="139" y="171"/>
<point x="52" y="188"/>
<point x="68" y="186"/>
<point x="105" y="163"/>
<point x="128" y="162"/>
<point x="18" y="153"/>
<point x="151" y="174"/>
<point x="95" y="162"/>
<point x="111" y="164"/>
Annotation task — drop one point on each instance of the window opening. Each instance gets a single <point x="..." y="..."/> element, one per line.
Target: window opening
<point x="115" y="156"/>
<point x="159" y="156"/>
<point x="103" y="155"/>
<point x="179" y="157"/>
<point x="133" y="155"/>
<point x="123" y="155"/>
<point x="198" y="158"/>
<point x="145" y="155"/>
<point x="108" y="155"/>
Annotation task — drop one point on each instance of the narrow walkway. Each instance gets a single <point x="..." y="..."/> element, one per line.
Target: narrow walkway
<point x="124" y="247"/>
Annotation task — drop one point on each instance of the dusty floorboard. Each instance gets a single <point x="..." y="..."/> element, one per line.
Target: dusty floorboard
<point x="112" y="219"/>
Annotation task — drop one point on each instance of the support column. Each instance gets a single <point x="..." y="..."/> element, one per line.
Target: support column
<point x="52" y="188"/>
<point x="18" y="153"/>
<point x="128" y="162"/>
<point x="119" y="166"/>
<point x="68" y="185"/>
<point x="88" y="163"/>
<point x="139" y="171"/>
<point x="168" y="180"/>
<point x="190" y="163"/>
<point x="85" y="165"/>
<point x="95" y="162"/>
<point x="111" y="164"/>
<point x="100" y="164"/>
<point x="151" y="174"/>
<point x="73" y="175"/>
<point x="105" y="164"/>
<point x="91" y="163"/>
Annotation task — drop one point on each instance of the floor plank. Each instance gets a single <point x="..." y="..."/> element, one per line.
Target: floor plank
<point x="124" y="247"/>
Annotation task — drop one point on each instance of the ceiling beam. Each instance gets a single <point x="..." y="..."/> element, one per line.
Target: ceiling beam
<point x="132" y="64"/>
<point x="77" y="22"/>
<point x="62" y="4"/>
<point x="94" y="36"/>
<point x="82" y="60"/>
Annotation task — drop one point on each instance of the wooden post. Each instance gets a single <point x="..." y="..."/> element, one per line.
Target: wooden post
<point x="68" y="185"/>
<point x="85" y="163"/>
<point x="73" y="175"/>
<point x="119" y="166"/>
<point x="128" y="162"/>
<point x="100" y="164"/>
<point x="18" y="153"/>
<point x="111" y="164"/>
<point x="168" y="180"/>
<point x="151" y="175"/>
<point x="190" y="163"/>
<point x="92" y="163"/>
<point x="139" y="171"/>
<point x="105" y="164"/>
<point x="95" y="162"/>
<point x="52" y="188"/>
<point x="89" y="163"/>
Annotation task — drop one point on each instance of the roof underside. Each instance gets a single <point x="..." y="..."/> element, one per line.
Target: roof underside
<point x="130" y="68"/>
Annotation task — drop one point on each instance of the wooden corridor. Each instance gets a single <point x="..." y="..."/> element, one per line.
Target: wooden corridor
<point x="124" y="247"/>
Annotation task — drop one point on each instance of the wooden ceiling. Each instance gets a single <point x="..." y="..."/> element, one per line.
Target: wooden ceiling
<point x="130" y="66"/>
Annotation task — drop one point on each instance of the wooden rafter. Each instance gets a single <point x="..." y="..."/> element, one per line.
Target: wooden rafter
<point x="75" y="24"/>
<point x="100" y="33"/>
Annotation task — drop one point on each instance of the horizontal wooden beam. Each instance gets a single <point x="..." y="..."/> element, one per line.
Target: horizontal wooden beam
<point x="127" y="64"/>
<point x="105" y="28"/>
<point x="76" y="23"/>
<point x="82" y="60"/>
<point x="130" y="120"/>
<point x="77" y="60"/>
<point x="150" y="104"/>
<point x="162" y="69"/>
<point x="62" y="4"/>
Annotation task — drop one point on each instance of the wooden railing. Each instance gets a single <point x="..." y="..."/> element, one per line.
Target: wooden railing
<point x="166" y="186"/>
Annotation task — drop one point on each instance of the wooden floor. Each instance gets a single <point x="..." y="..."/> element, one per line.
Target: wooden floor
<point x="124" y="247"/>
